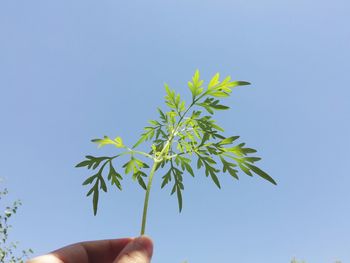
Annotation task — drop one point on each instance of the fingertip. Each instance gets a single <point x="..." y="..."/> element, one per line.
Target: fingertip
<point x="139" y="250"/>
<point x="147" y="244"/>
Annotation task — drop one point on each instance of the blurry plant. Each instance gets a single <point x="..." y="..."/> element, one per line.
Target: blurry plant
<point x="296" y="261"/>
<point x="181" y="134"/>
<point x="8" y="250"/>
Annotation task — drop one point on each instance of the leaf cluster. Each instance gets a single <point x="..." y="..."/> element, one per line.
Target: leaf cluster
<point x="183" y="137"/>
<point x="9" y="251"/>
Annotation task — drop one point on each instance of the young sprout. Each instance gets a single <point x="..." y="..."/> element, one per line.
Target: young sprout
<point x="180" y="136"/>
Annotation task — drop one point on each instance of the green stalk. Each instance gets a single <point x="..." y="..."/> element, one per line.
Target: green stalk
<point x="156" y="161"/>
<point x="145" y="206"/>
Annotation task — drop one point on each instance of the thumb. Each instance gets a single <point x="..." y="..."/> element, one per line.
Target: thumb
<point x="139" y="250"/>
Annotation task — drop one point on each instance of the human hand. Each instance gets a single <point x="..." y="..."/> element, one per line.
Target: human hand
<point x="125" y="250"/>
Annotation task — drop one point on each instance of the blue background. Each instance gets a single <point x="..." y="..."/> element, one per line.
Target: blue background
<point x="71" y="71"/>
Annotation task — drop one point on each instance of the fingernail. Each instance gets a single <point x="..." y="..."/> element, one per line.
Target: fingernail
<point x="139" y="250"/>
<point x="145" y="243"/>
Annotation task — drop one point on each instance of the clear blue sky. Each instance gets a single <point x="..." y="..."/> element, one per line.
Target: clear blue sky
<point x="71" y="71"/>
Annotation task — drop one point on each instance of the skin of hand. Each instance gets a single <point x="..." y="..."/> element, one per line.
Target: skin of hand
<point x="124" y="250"/>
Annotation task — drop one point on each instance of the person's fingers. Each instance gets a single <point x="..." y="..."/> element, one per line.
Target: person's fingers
<point x="45" y="259"/>
<point x="139" y="250"/>
<point x="101" y="251"/>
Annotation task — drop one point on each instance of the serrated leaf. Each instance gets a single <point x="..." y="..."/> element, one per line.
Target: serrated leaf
<point x="162" y="115"/>
<point x="227" y="167"/>
<point x="129" y="166"/>
<point x="214" y="81"/>
<point x="195" y="77"/>
<point x="114" y="177"/>
<point x="92" y="162"/>
<point x="233" y="172"/>
<point x="113" y="173"/>
<point x="90" y="180"/>
<point x="166" y="178"/>
<point x="83" y="163"/>
<point x="192" y="88"/>
<point x="103" y="185"/>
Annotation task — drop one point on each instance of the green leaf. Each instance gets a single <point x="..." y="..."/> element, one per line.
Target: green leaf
<point x="83" y="163"/>
<point x="219" y="107"/>
<point x="103" y="185"/>
<point x="214" y="81"/>
<point x="245" y="169"/>
<point x="129" y="166"/>
<point x="166" y="178"/>
<point x="252" y="159"/>
<point x="217" y="127"/>
<point x="236" y="150"/>
<point x="196" y="85"/>
<point x="209" y="170"/>
<point x="227" y="166"/>
<point x="91" y="190"/>
<point x="179" y="198"/>
<point x="90" y="179"/>
<point x="163" y="117"/>
<point x="113" y="173"/>
<point x="199" y="163"/>
<point x="261" y="173"/>
<point x="147" y="135"/>
<point x="185" y="164"/>
<point x="195" y="77"/>
<point x="219" y="94"/>
<point x="238" y="83"/>
<point x="117" y="142"/>
<point x="189" y="169"/>
<point x="95" y="199"/>
<point x="215" y="179"/>
<point x="228" y="140"/>
<point x="92" y="162"/>
<point x="141" y="182"/>
<point x="114" y="177"/>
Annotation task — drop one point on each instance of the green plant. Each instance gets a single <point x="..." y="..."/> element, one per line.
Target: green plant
<point x="180" y="135"/>
<point x="296" y="261"/>
<point x="8" y="250"/>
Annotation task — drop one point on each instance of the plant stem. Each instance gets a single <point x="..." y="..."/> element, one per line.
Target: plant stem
<point x="156" y="161"/>
<point x="145" y="206"/>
